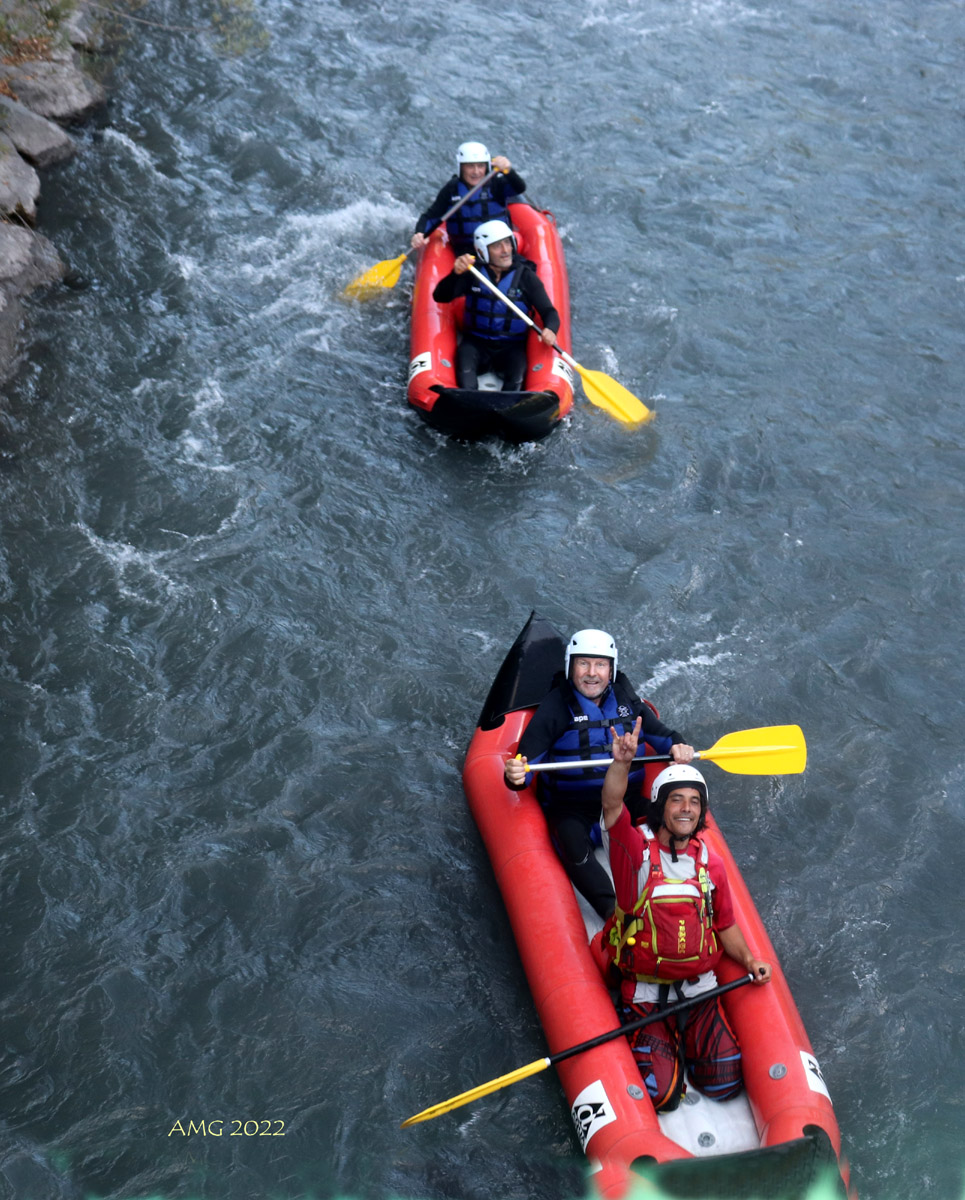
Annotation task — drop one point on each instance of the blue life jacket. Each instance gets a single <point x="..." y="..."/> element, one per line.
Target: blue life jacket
<point x="482" y="207"/>
<point x="491" y="320"/>
<point x="588" y="736"/>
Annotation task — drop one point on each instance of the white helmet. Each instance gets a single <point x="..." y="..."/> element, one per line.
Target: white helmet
<point x="676" y="775"/>
<point x="589" y="643"/>
<point x="489" y="232"/>
<point x="473" y="152"/>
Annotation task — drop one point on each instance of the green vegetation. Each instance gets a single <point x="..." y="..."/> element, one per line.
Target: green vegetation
<point x="237" y="28"/>
<point x="31" y="30"/>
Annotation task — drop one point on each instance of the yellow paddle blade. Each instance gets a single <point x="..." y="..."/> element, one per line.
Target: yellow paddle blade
<point x="613" y="397"/>
<point x="770" y="750"/>
<point x="475" y="1093"/>
<point x="384" y="274"/>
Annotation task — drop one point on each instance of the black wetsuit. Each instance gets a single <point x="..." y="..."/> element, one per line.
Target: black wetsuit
<point x="491" y="203"/>
<point x="476" y="355"/>
<point x="573" y="804"/>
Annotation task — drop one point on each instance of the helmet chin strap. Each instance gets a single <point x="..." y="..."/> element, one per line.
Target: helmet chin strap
<point x="673" y="845"/>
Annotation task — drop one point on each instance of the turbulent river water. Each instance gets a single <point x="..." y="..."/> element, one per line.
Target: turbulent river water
<point x="251" y="604"/>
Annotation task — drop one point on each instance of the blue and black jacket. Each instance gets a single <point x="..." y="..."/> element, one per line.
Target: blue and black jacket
<point x="568" y="725"/>
<point x="490" y="203"/>
<point x="488" y="319"/>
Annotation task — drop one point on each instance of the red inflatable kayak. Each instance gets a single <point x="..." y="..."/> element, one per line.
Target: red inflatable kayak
<point x="514" y="416"/>
<point x="779" y="1137"/>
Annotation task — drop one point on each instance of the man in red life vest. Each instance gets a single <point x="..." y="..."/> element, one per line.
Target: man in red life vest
<point x="673" y="920"/>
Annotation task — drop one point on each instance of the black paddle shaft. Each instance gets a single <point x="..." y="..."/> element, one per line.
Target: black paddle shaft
<point x="468" y="196"/>
<point x="659" y="1015"/>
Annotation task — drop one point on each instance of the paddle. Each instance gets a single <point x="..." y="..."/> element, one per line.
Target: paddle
<point x="600" y="389"/>
<point x="770" y="750"/>
<point x="541" y="1064"/>
<point x="385" y="274"/>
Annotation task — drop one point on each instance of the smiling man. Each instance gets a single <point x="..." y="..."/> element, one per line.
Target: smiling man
<point x="494" y="337"/>
<point x="573" y="721"/>
<point x="473" y="163"/>
<point x="673" y="921"/>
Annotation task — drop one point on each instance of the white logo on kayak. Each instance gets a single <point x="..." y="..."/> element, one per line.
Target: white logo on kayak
<point x="813" y="1073"/>
<point x="591" y="1111"/>
<point x="563" y="368"/>
<point x="421" y="362"/>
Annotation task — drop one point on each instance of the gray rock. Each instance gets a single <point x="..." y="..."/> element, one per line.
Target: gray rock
<point x="55" y="89"/>
<point x="27" y="261"/>
<point x="41" y="92"/>
<point x="19" y="182"/>
<point x="11" y="315"/>
<point x="40" y="141"/>
<point x="80" y="29"/>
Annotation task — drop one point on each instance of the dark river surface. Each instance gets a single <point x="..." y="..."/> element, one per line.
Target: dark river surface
<point x="251" y="604"/>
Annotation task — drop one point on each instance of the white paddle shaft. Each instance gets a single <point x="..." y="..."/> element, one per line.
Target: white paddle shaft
<point x="519" y="312"/>
<point x="594" y="762"/>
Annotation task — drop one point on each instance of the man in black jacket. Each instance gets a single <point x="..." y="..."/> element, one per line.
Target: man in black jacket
<point x="490" y="203"/>
<point x="493" y="337"/>
<point x="573" y="721"/>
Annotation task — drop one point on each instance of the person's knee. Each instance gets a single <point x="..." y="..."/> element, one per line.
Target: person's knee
<point x="514" y="371"/>
<point x="713" y="1054"/>
<point x="720" y="1077"/>
<point x="467" y="364"/>
<point x="662" y="1076"/>
<point x="573" y="842"/>
<point x="657" y="1055"/>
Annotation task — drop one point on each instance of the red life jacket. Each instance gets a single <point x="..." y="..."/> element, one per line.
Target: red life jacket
<point x="668" y="934"/>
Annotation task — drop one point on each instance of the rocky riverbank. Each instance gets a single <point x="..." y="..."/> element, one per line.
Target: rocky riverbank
<point x="46" y="48"/>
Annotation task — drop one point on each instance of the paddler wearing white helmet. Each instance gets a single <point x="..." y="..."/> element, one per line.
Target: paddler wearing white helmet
<point x="573" y="721"/>
<point x="494" y="337"/>
<point x="673" y="921"/>
<point x="487" y="203"/>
